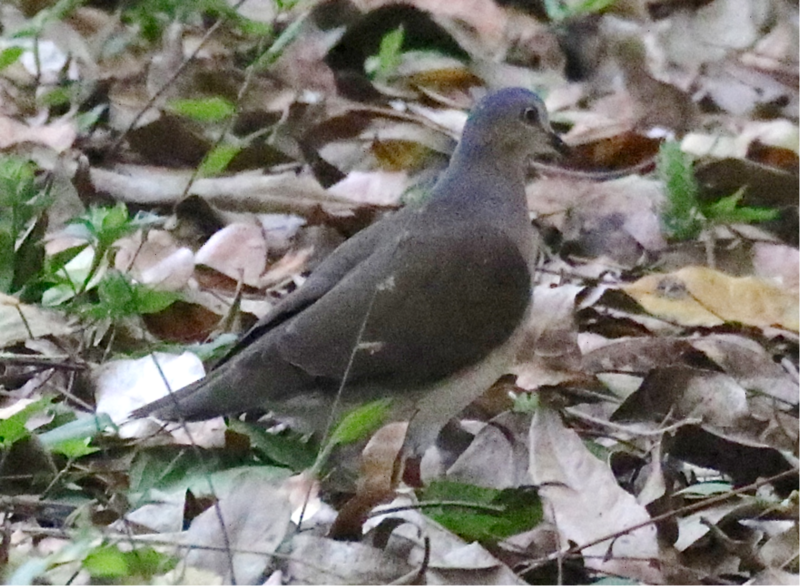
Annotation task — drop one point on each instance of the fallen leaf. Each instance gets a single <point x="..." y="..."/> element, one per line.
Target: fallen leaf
<point x="257" y="529"/>
<point x="158" y="261"/>
<point x="382" y="188"/>
<point x="319" y="560"/>
<point x="124" y="385"/>
<point x="58" y="135"/>
<point x="498" y="455"/>
<point x="747" y="362"/>
<point x="586" y="503"/>
<point x="20" y="322"/>
<point x="700" y="296"/>
<point x="685" y="392"/>
<point x="238" y="251"/>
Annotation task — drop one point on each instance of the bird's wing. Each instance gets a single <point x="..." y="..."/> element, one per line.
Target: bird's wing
<point x="419" y="309"/>
<point x="254" y="352"/>
<point x="324" y="278"/>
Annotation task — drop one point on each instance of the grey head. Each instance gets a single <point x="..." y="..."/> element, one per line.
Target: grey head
<point x="512" y="124"/>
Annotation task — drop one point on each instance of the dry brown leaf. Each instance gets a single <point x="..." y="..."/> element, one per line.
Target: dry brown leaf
<point x="549" y="354"/>
<point x="497" y="457"/>
<point x="699" y="296"/>
<point x="289" y="266"/>
<point x="183" y="321"/>
<point x="633" y="354"/>
<point x="58" y="135"/>
<point x="124" y="385"/>
<point x="780" y="549"/>
<point x="164" y="512"/>
<point x="686" y="392"/>
<point x="257" y="529"/>
<point x="319" y="560"/>
<point x="158" y="261"/>
<point x="591" y="213"/>
<point x="747" y="362"/>
<point x="238" y="251"/>
<point x="253" y="192"/>
<point x="773" y="577"/>
<point x="376" y="480"/>
<point x="586" y="503"/>
<point x="689" y="39"/>
<point x="20" y="322"/>
<point x="382" y="188"/>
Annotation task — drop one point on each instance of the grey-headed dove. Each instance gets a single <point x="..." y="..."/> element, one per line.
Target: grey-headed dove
<point x="424" y="307"/>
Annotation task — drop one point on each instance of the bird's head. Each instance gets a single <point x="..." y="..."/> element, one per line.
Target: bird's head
<point x="514" y="122"/>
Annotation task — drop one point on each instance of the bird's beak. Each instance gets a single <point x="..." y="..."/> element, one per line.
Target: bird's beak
<point x="559" y="145"/>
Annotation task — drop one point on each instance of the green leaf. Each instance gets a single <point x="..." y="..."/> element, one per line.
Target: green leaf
<point x="59" y="260"/>
<point x="526" y="403"/>
<point x="6" y="261"/>
<point x="17" y="190"/>
<point x="214" y="109"/>
<point x="252" y="28"/>
<point x="218" y="159"/>
<point x="276" y="49"/>
<point x="112" y="224"/>
<point x="597" y="450"/>
<point x="216" y="348"/>
<point x="147" y="562"/>
<point x="389" y="56"/>
<point x="681" y="216"/>
<point x="178" y="468"/>
<point x="360" y="422"/>
<point x="57" y="96"/>
<point x="22" y="223"/>
<point x="147" y="300"/>
<point x="74" y="448"/>
<point x="493" y="514"/>
<point x="116" y="297"/>
<point x="592" y="6"/>
<point x="79" y="429"/>
<point x="558" y="10"/>
<point x="285" y="448"/>
<point x="106" y="561"/>
<point x="120" y="298"/>
<point x="73" y="277"/>
<point x="29" y="256"/>
<point x="101" y="227"/>
<point x="12" y="429"/>
<point x="85" y="121"/>
<point x="705" y="489"/>
<point x="10" y="56"/>
<point x="727" y="211"/>
<point x="152" y="16"/>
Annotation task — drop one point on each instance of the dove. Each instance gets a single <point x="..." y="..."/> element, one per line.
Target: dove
<point x="425" y="307"/>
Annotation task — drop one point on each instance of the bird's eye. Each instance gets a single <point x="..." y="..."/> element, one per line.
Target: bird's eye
<point x="530" y="116"/>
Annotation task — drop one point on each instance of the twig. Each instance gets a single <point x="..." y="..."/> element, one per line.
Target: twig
<point x="62" y="362"/>
<point x="160" y="541"/>
<point x="206" y="473"/>
<point x="663" y="517"/>
<point x="630" y="430"/>
<point x="435" y="505"/>
<point x="184" y="64"/>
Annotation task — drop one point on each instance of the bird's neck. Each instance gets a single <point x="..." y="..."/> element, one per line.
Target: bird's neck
<point x="477" y="174"/>
<point x="487" y="188"/>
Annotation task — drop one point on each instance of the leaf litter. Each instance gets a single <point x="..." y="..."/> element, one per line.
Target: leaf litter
<point x="649" y="428"/>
